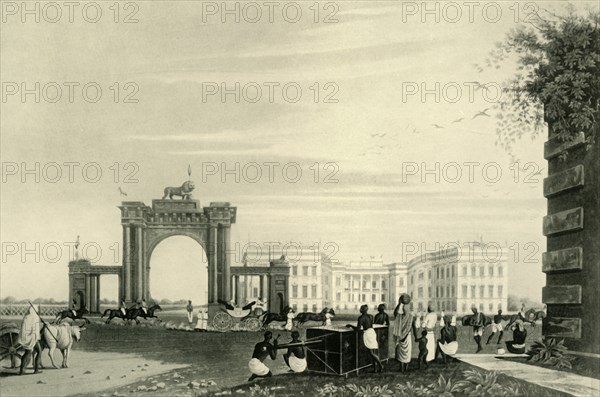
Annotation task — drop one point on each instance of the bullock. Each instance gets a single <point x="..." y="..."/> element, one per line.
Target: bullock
<point x="60" y="337"/>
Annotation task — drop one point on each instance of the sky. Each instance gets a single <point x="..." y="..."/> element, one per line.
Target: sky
<point x="352" y="127"/>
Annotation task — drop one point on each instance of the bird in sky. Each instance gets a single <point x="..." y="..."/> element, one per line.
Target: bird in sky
<point x="482" y="113"/>
<point x="458" y="120"/>
<point x="122" y="192"/>
<point x="437" y="126"/>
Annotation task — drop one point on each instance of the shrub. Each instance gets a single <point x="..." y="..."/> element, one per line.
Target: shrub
<point x="551" y="353"/>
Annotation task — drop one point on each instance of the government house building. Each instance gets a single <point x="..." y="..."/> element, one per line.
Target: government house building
<point x="451" y="280"/>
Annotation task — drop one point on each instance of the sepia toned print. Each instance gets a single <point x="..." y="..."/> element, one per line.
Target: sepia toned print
<point x="299" y="198"/>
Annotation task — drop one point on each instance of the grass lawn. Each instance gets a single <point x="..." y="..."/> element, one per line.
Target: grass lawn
<point x="223" y="358"/>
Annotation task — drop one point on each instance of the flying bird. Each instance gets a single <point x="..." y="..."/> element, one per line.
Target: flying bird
<point x="458" y="120"/>
<point x="482" y="113"/>
<point x="437" y="126"/>
<point x="122" y="192"/>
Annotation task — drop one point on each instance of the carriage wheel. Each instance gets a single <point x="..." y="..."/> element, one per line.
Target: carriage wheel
<point x="10" y="348"/>
<point x="222" y="321"/>
<point x="258" y="312"/>
<point x="252" y="324"/>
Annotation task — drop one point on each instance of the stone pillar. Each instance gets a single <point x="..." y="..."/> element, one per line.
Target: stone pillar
<point x="88" y="294"/>
<point x="226" y="261"/>
<point x="212" y="254"/>
<point x="98" y="293"/>
<point x="261" y="287"/>
<point x="92" y="294"/>
<point x="238" y="291"/>
<point x="140" y="262"/>
<point x="126" y="263"/>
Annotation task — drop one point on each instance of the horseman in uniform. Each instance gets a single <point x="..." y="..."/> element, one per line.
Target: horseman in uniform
<point x="123" y="307"/>
<point x="74" y="308"/>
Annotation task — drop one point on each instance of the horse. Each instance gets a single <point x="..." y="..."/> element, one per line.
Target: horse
<point x="268" y="317"/>
<point x="112" y="313"/>
<point x="467" y="320"/>
<point x="69" y="314"/>
<point x="139" y="312"/>
<point x="301" y="318"/>
<point x="531" y="316"/>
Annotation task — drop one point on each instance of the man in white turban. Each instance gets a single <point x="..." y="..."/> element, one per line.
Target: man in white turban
<point x="29" y="338"/>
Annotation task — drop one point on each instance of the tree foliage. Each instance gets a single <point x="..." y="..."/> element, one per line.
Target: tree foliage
<point x="556" y="81"/>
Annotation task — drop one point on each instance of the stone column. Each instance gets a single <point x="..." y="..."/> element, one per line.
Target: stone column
<point x="238" y="291"/>
<point x="92" y="294"/>
<point x="140" y="262"/>
<point x="88" y="294"/>
<point x="261" y="287"/>
<point x="212" y="254"/>
<point x="226" y="261"/>
<point x="98" y="293"/>
<point x="126" y="263"/>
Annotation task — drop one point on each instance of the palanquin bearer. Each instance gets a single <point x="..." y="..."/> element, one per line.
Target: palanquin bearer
<point x="429" y="324"/>
<point x="401" y="329"/>
<point x="262" y="350"/>
<point x="29" y="338"/>
<point x="295" y="358"/>
<point x="365" y="322"/>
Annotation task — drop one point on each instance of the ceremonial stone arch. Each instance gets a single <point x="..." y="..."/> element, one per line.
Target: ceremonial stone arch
<point x="145" y="227"/>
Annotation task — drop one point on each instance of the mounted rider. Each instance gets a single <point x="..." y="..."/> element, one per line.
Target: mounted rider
<point x="141" y="304"/>
<point x="123" y="307"/>
<point x="74" y="308"/>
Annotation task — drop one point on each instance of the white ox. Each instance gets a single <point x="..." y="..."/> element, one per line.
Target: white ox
<point x="61" y="337"/>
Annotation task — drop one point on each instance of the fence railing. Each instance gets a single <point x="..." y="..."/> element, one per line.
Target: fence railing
<point x="20" y="309"/>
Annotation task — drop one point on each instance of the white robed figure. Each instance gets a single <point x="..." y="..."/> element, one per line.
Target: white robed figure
<point x="429" y="325"/>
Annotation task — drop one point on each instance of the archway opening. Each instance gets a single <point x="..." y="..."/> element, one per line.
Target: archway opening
<point x="178" y="273"/>
<point x="109" y="291"/>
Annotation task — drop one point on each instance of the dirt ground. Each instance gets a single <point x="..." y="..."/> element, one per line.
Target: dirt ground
<point x="88" y="372"/>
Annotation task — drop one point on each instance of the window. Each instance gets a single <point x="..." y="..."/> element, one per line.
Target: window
<point x="481" y="289"/>
<point x="429" y="291"/>
<point x="447" y="292"/>
<point x="464" y="306"/>
<point x="453" y="305"/>
<point x="295" y="307"/>
<point x="305" y="270"/>
<point x="294" y="291"/>
<point x="373" y="298"/>
<point x="437" y="292"/>
<point x="464" y="271"/>
<point x="305" y="307"/>
<point x="338" y="281"/>
<point x="314" y="271"/>
<point x="453" y="291"/>
<point x="481" y="271"/>
<point x="464" y="291"/>
<point x="441" y="273"/>
<point x="383" y="284"/>
<point x="447" y="272"/>
<point x="429" y="274"/>
<point x="338" y="296"/>
<point x="374" y="284"/>
<point x="437" y="272"/>
<point x="412" y="280"/>
<point x="420" y="293"/>
<point x="481" y="307"/>
<point x="305" y="291"/>
<point x="473" y="271"/>
<point x="443" y="306"/>
<point x="500" y="291"/>
<point x="491" y="307"/>
<point x="491" y="270"/>
<point x="363" y="298"/>
<point x="313" y="291"/>
<point x="364" y="284"/>
<point x="294" y="270"/>
<point x="401" y="283"/>
<point x="420" y="306"/>
<point x="420" y="276"/>
<point x="314" y="308"/>
<point x="441" y="292"/>
<point x="490" y="291"/>
<point x="500" y="271"/>
<point x="473" y="291"/>
<point x="452" y="271"/>
<point x="383" y="297"/>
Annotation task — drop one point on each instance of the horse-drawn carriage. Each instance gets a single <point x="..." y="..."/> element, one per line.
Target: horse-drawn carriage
<point x="246" y="319"/>
<point x="10" y="347"/>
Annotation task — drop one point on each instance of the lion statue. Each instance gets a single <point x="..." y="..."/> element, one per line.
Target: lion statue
<point x="185" y="191"/>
